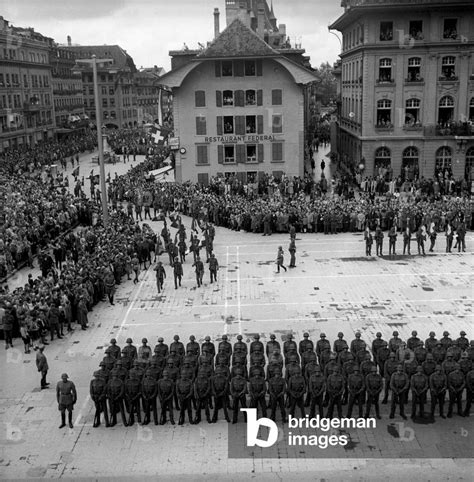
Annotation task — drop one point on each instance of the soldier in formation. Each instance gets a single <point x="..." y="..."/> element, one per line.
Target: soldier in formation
<point x="280" y="376"/>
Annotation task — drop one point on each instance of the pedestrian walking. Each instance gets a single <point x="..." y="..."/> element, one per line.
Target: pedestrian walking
<point x="42" y="366"/>
<point x="280" y="259"/>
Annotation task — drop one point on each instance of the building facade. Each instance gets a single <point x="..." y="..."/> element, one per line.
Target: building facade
<point x="407" y="87"/>
<point x="67" y="91"/>
<point x="117" y="89"/>
<point x="26" y="88"/>
<point x="239" y="104"/>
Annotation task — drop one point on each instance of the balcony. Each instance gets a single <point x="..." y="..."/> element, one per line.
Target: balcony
<point x="412" y="81"/>
<point x="386" y="126"/>
<point x="453" y="129"/>
<point x="451" y="78"/>
<point x="412" y="127"/>
<point x="385" y="81"/>
<point x="29" y="107"/>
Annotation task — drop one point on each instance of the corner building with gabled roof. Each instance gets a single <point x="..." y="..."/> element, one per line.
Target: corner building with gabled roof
<point x="240" y="104"/>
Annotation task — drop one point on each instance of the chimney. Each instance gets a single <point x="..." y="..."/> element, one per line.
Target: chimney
<point x="69" y="41"/>
<point x="216" y="22"/>
<point x="260" y="22"/>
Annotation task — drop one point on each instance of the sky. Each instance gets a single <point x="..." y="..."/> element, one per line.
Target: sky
<point x="149" y="29"/>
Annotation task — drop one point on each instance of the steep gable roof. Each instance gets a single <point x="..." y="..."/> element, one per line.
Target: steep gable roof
<point x="238" y="40"/>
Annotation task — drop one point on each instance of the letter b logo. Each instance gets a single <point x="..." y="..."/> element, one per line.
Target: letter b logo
<point x="253" y="424"/>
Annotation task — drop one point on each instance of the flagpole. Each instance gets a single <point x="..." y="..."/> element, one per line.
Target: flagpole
<point x="105" y="210"/>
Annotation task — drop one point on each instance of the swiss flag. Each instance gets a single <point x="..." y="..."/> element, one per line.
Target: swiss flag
<point x="159" y="134"/>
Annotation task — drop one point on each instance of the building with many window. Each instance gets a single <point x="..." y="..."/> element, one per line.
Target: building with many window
<point x="239" y="104"/>
<point x="117" y="90"/>
<point x="67" y="91"/>
<point x="152" y="96"/>
<point x="407" y="86"/>
<point x="26" y="92"/>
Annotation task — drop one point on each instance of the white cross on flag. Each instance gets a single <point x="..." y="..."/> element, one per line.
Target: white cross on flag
<point x="159" y="134"/>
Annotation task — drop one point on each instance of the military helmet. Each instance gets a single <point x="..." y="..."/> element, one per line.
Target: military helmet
<point x="129" y="340"/>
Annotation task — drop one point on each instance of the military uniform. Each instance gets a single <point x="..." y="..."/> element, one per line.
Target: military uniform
<point x="132" y="388"/>
<point x="390" y="368"/>
<point x="115" y="393"/>
<point x="149" y="392"/>
<point x="335" y="389"/>
<point x="184" y="390"/>
<point x="97" y="391"/>
<point x="66" y="397"/>
<point x="225" y="346"/>
<point x="419" y="387"/>
<point x="430" y="342"/>
<point x="202" y="393"/>
<point x="177" y="273"/>
<point x="238" y="390"/>
<point x="316" y="389"/>
<point x="373" y="385"/>
<point x="161" y="348"/>
<point x="456" y="384"/>
<point x="356" y="387"/>
<point x="257" y="391"/>
<point x="296" y="392"/>
<point x="470" y="392"/>
<point x="193" y="346"/>
<point x="271" y="346"/>
<point x="166" y="391"/>
<point x="198" y="266"/>
<point x="277" y="390"/>
<point x="399" y="383"/>
<point x="220" y="391"/>
<point x="438" y="386"/>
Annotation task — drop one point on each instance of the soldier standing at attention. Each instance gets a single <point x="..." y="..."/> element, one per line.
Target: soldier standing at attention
<point x="166" y="392"/>
<point x="419" y="387"/>
<point x="220" y="391"/>
<point x="296" y="391"/>
<point x="149" y="392"/>
<point x="317" y="386"/>
<point x="132" y="395"/>
<point x="202" y="393"/>
<point x="66" y="396"/>
<point x="399" y="384"/>
<point x="238" y="391"/>
<point x="456" y="384"/>
<point x="335" y="388"/>
<point x="438" y="386"/>
<point x="97" y="390"/>
<point x="277" y="390"/>
<point x="374" y="385"/>
<point x="356" y="387"/>
<point x="115" y="392"/>
<point x="184" y="390"/>
<point x="257" y="390"/>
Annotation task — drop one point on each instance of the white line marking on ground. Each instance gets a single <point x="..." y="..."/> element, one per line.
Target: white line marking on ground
<point x="288" y="321"/>
<point x="239" y="308"/>
<point x="225" y="288"/>
<point x="124" y="321"/>
<point x="79" y="415"/>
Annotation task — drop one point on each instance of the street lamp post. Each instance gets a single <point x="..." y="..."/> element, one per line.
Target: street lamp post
<point x="93" y="61"/>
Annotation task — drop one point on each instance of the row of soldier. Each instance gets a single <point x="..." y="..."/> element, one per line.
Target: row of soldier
<point x="301" y="375"/>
